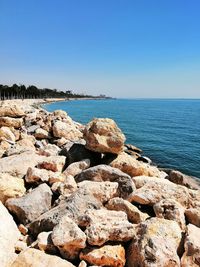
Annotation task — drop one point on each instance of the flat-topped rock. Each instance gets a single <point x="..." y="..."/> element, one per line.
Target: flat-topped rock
<point x="52" y="163"/>
<point x="66" y="130"/>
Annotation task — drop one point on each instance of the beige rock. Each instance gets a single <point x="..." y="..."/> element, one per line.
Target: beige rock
<point x="67" y="187"/>
<point x="35" y="258"/>
<point x="45" y="243"/>
<point x="171" y="210"/>
<point x="82" y="264"/>
<point x="77" y="167"/>
<point x="41" y="134"/>
<point x="155" y="244"/>
<point x="60" y="113"/>
<point x="10" y="187"/>
<point x="53" y="163"/>
<point x="49" y="150"/>
<point x="23" y="229"/>
<point x="9" y="236"/>
<point x="191" y="256"/>
<point x="35" y="175"/>
<point x="106" y="225"/>
<point x="11" y="111"/>
<point x="132" y="167"/>
<point x="66" y="130"/>
<point x="133" y="213"/>
<point x="17" y="165"/>
<point x="69" y="238"/>
<point x="193" y="216"/>
<point x="6" y="134"/>
<point x="11" y="122"/>
<point x="32" y="205"/>
<point x="103" y="135"/>
<point x="20" y="246"/>
<point x="113" y="256"/>
<point x="5" y="145"/>
<point x="20" y="147"/>
<point x="141" y="180"/>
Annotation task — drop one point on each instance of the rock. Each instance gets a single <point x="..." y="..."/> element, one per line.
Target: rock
<point x="155" y="243"/>
<point x="10" y="187"/>
<point x="11" y="122"/>
<point x="77" y="167"/>
<point x="66" y="130"/>
<point x="193" y="216"/>
<point x="23" y="230"/>
<point x="82" y="264"/>
<point x="103" y="135"/>
<point x="106" y="173"/>
<point x="182" y="179"/>
<point x="53" y="163"/>
<point x="60" y="114"/>
<point x="20" y="147"/>
<point x="31" y="129"/>
<point x="106" y="225"/>
<point x="35" y="175"/>
<point x="132" y="167"/>
<point x="65" y="188"/>
<point x="45" y="243"/>
<point x="49" y="150"/>
<point x="31" y="206"/>
<point x="11" y="111"/>
<point x="133" y="148"/>
<point x="140" y="181"/>
<point x="191" y="256"/>
<point x="171" y="210"/>
<point x="20" y="246"/>
<point x="35" y="258"/>
<point x="69" y="238"/>
<point x="41" y="134"/>
<point x="78" y="152"/>
<point x="156" y="190"/>
<point x="9" y="236"/>
<point x="133" y="213"/>
<point x="6" y="134"/>
<point x="17" y="165"/>
<point x="113" y="256"/>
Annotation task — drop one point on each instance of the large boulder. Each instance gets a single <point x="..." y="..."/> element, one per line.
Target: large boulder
<point x="76" y="168"/>
<point x="52" y="163"/>
<point x="111" y="256"/>
<point x="29" y="207"/>
<point x="193" y="215"/>
<point x="11" y="111"/>
<point x="133" y="167"/>
<point x="35" y="258"/>
<point x="69" y="238"/>
<point x="11" y="122"/>
<point x="66" y="130"/>
<point x="7" y="134"/>
<point x="9" y="235"/>
<point x="10" y="187"/>
<point x="106" y="225"/>
<point x="104" y="136"/>
<point x="191" y="256"/>
<point x="155" y="243"/>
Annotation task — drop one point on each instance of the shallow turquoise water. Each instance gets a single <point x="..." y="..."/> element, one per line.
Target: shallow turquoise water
<point x="168" y="131"/>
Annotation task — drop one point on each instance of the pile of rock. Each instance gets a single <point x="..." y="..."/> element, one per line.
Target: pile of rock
<point x="74" y="195"/>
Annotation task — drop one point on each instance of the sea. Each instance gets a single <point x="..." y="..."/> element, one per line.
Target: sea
<point x="167" y="130"/>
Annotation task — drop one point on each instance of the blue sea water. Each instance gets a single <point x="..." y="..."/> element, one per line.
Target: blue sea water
<point x="168" y="131"/>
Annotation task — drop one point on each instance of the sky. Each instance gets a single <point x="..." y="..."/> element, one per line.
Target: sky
<point x="121" y="48"/>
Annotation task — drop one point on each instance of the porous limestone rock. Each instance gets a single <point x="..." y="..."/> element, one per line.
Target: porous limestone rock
<point x="11" y="122"/>
<point x="155" y="244"/>
<point x="35" y="258"/>
<point x="106" y="225"/>
<point x="6" y="134"/>
<point x="53" y="163"/>
<point x="10" y="187"/>
<point x="41" y="134"/>
<point x="66" y="130"/>
<point x="32" y="205"/>
<point x="171" y="210"/>
<point x="21" y="146"/>
<point x="113" y="256"/>
<point x="133" y="213"/>
<point x="65" y="188"/>
<point x="193" y="215"/>
<point x="11" y="111"/>
<point x="77" y="167"/>
<point x="9" y="235"/>
<point x="49" y="150"/>
<point x="60" y="113"/>
<point x="69" y="238"/>
<point x="133" y="167"/>
<point x="104" y="136"/>
<point x="191" y="256"/>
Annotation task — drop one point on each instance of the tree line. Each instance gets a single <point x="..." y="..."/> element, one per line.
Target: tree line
<point x="22" y="92"/>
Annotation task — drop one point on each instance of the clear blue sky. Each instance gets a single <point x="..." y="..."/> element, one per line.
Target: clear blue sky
<point x="123" y="48"/>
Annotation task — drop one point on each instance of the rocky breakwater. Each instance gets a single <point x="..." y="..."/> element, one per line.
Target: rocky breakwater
<point x="75" y="195"/>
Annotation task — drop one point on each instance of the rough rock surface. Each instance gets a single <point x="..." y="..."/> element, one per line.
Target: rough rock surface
<point x="10" y="187"/>
<point x="66" y="130"/>
<point x="155" y="244"/>
<point x="53" y="163"/>
<point x="41" y="134"/>
<point x="191" y="256"/>
<point x="32" y="205"/>
<point x="103" y="135"/>
<point x="106" y="225"/>
<point x="11" y="122"/>
<point x="133" y="213"/>
<point x="35" y="258"/>
<point x="133" y="167"/>
<point x="77" y="167"/>
<point x="113" y="256"/>
<point x="11" y="111"/>
<point x="7" y="134"/>
<point x="45" y="243"/>
<point x="69" y="238"/>
<point x="9" y="235"/>
<point x="193" y="215"/>
<point x="171" y="210"/>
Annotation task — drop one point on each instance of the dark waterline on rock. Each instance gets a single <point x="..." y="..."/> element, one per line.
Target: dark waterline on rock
<point x="167" y="130"/>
